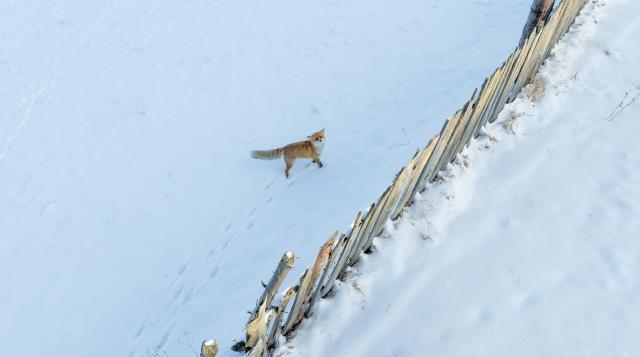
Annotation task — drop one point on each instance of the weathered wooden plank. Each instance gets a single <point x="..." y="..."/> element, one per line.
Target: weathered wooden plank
<point x="398" y="187"/>
<point x="539" y="13"/>
<point x="294" y="313"/>
<point x="553" y="25"/>
<point x="409" y="192"/>
<point x="283" y="268"/>
<point x="366" y="222"/>
<point x="505" y="85"/>
<point x="545" y="43"/>
<point x="429" y="171"/>
<point x="447" y="152"/>
<point x="557" y="25"/>
<point x="491" y="107"/>
<point x="524" y="54"/>
<point x="327" y="268"/>
<point x="306" y="291"/>
<point x="475" y="108"/>
<point x="423" y="173"/>
<point x="327" y="252"/>
<point x="344" y="255"/>
<point x="368" y="238"/>
<point x="573" y="10"/>
<point x="467" y="111"/>
<point x="276" y="326"/>
<point x="257" y="327"/>
<point x="484" y="104"/>
<point x="565" y="21"/>
<point x="525" y="72"/>
<point x="365" y="232"/>
<point x="259" y="350"/>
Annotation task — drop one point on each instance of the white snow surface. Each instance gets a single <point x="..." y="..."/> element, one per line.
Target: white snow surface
<point x="133" y="221"/>
<point x="529" y="246"/>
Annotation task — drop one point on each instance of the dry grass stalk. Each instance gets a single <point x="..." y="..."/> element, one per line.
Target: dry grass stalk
<point x="509" y="124"/>
<point x="535" y="89"/>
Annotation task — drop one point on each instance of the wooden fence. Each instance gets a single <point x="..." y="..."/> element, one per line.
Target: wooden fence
<point x="267" y="325"/>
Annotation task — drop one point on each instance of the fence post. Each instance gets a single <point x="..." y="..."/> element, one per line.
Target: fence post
<point x="276" y="326"/>
<point x="209" y="348"/>
<point x="540" y="10"/>
<point x="270" y="291"/>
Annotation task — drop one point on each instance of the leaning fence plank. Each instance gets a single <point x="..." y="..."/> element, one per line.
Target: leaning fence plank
<point x="563" y="17"/>
<point x="292" y="319"/>
<point x="284" y="266"/>
<point x="449" y="146"/>
<point x="525" y="72"/>
<point x="259" y="350"/>
<point x="467" y="110"/>
<point x="342" y="261"/>
<point x="366" y="244"/>
<point x="524" y="54"/>
<point x="545" y="42"/>
<point x="501" y="96"/>
<point x="537" y="16"/>
<point x="531" y="61"/>
<point x="276" y="326"/>
<point x="484" y="104"/>
<point x="552" y="27"/>
<point x="407" y="195"/>
<point x="365" y="231"/>
<point x="316" y="269"/>
<point x="391" y="201"/>
<point x="321" y="283"/>
<point x="257" y="327"/>
<point x="476" y="108"/>
<point x="509" y="81"/>
<point x="410" y="174"/>
<point x="495" y="104"/>
<point x="543" y="45"/>
<point x="344" y="256"/>
<point x="491" y="108"/>
<point x="438" y="152"/>
<point x="427" y="171"/>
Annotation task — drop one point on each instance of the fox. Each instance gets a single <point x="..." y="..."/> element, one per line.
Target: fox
<point x="306" y="149"/>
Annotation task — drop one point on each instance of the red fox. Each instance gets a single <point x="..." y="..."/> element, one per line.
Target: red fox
<point x="309" y="149"/>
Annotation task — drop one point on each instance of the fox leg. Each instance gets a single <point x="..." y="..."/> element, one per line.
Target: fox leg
<point x="316" y="160"/>
<point x="288" y="164"/>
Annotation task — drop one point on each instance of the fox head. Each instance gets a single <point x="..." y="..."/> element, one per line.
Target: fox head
<point x="317" y="137"/>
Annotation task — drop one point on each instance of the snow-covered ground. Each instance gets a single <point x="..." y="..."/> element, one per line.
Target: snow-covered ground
<point x="529" y="246"/>
<point x="133" y="221"/>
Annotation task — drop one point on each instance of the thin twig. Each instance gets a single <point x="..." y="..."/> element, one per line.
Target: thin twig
<point x="407" y="136"/>
<point x="622" y="105"/>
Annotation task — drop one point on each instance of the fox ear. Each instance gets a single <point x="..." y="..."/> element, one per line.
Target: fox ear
<point x="322" y="131"/>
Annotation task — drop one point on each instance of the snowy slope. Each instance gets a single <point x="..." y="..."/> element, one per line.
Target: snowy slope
<point x="532" y="241"/>
<point x="133" y="221"/>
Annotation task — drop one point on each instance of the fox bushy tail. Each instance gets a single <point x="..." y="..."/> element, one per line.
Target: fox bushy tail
<point x="267" y="154"/>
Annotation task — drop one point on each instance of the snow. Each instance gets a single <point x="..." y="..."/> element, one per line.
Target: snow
<point x="529" y="245"/>
<point x="133" y="221"/>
